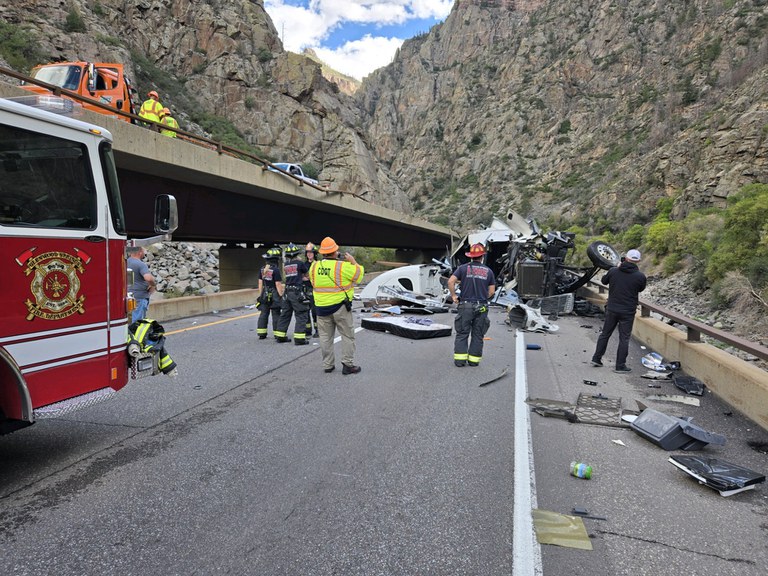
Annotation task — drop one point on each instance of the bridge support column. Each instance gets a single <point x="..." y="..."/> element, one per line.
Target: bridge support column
<point x="239" y="267"/>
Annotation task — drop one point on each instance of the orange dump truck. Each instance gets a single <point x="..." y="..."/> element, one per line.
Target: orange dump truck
<point x="105" y="82"/>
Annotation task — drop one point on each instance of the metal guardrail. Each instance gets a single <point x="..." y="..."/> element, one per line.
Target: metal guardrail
<point x="219" y="147"/>
<point x="695" y="329"/>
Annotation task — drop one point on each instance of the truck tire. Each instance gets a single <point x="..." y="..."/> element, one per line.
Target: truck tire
<point x="603" y="255"/>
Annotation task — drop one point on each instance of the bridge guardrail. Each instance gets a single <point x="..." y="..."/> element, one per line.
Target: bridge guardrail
<point x="219" y="147"/>
<point x="695" y="329"/>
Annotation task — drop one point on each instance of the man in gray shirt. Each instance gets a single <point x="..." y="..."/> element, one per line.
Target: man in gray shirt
<point x="143" y="282"/>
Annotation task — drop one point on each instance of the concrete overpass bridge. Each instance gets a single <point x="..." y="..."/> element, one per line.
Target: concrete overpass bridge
<point x="223" y="198"/>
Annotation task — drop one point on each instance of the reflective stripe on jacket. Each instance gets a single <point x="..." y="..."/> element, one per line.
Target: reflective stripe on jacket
<point x="150" y="110"/>
<point x="333" y="279"/>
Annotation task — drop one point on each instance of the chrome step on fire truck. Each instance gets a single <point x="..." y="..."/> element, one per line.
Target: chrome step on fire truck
<point x="64" y="304"/>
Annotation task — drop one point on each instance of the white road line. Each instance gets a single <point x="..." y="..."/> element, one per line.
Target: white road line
<point x="526" y="551"/>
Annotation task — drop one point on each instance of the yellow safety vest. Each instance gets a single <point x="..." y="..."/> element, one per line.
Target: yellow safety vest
<point x="333" y="279"/>
<point x="150" y="110"/>
<point x="169" y="121"/>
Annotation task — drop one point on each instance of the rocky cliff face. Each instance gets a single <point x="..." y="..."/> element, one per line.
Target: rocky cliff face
<point x="224" y="59"/>
<point x="584" y="110"/>
<point x="588" y="111"/>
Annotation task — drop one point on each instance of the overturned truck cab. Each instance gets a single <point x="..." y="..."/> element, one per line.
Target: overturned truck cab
<point x="528" y="263"/>
<point x="533" y="263"/>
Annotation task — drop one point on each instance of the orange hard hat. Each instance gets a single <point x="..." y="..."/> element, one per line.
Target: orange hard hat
<point x="165" y="112"/>
<point x="153" y="93"/>
<point x="328" y="246"/>
<point x="476" y="251"/>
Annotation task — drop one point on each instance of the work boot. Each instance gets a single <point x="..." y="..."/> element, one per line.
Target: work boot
<point x="300" y="342"/>
<point x="622" y="369"/>
<point x="262" y="336"/>
<point x="316" y="334"/>
<point x="473" y="364"/>
<point x="460" y="363"/>
<point x="281" y="339"/>
<point x="597" y="363"/>
<point x="346" y="369"/>
<point x="329" y="370"/>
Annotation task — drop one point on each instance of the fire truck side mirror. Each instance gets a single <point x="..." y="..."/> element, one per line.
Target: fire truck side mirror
<point x="166" y="214"/>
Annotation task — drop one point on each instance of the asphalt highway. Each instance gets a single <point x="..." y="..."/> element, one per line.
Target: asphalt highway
<point x="254" y="461"/>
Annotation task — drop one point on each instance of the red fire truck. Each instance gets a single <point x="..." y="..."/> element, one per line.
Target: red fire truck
<point x="63" y="290"/>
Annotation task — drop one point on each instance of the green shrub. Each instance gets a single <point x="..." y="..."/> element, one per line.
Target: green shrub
<point x="19" y="47"/>
<point x="744" y="234"/>
<point x="74" y="21"/>
<point x="661" y="237"/>
<point x="633" y="237"/>
<point x="311" y="170"/>
<point x="264" y="55"/>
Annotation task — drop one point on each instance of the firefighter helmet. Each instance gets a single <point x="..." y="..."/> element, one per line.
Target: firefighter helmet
<point x="476" y="251"/>
<point x="310" y="248"/>
<point x="273" y="253"/>
<point x="328" y="246"/>
<point x="292" y="249"/>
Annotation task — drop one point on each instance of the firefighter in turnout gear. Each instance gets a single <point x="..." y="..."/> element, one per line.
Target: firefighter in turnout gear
<point x="295" y="300"/>
<point x="333" y="281"/>
<point x="311" y="254"/>
<point x="270" y="292"/>
<point x="478" y="285"/>
<point x="149" y="336"/>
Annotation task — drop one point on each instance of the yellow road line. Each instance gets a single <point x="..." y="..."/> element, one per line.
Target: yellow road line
<point x="212" y="323"/>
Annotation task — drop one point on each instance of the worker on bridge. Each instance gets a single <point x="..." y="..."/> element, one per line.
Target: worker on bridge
<point x="295" y="300"/>
<point x="151" y="109"/>
<point x="167" y="120"/>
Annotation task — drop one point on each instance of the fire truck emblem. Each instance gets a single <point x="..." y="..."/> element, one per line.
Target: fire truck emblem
<point x="55" y="283"/>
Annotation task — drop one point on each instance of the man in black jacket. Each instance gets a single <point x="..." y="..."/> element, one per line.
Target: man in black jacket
<point x="624" y="282"/>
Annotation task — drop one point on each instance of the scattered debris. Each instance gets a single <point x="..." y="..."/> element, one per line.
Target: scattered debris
<point x="671" y="433"/>
<point x="560" y="530"/>
<point x="654" y="361"/>
<point x="529" y="319"/>
<point x="725" y="477"/>
<point x="654" y="385"/>
<point x="628" y="418"/>
<point x="619" y="442"/>
<point x="533" y="347"/>
<point x="584" y="513"/>
<point x="675" y="398"/>
<point x="651" y="375"/>
<point x="689" y="384"/>
<point x="590" y="382"/>
<point x="407" y="327"/>
<point x="581" y="470"/>
<point x="492" y="380"/>
<point x="589" y="409"/>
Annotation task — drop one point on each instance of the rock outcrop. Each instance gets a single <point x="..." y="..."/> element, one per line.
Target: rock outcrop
<point x="586" y="112"/>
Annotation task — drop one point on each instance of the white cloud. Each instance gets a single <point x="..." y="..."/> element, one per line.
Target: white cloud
<point x="309" y="25"/>
<point x="358" y="58"/>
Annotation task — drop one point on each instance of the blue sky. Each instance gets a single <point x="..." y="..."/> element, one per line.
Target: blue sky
<point x="353" y="36"/>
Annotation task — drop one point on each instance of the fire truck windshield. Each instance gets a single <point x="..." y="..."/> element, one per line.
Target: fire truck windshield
<point x="45" y="181"/>
<point x="64" y="76"/>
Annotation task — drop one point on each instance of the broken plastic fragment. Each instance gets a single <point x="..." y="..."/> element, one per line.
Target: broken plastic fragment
<point x="560" y="530"/>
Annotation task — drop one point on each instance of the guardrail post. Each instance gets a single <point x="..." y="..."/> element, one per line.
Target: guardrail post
<point x="693" y="335"/>
<point x="645" y="312"/>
